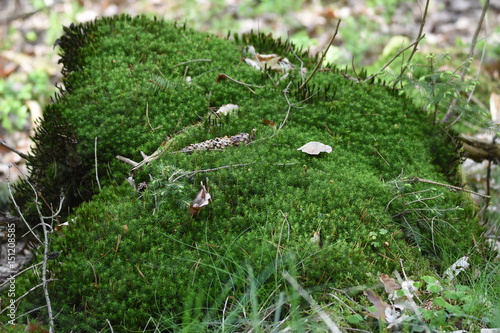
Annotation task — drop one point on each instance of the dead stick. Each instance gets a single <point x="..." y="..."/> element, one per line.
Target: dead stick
<point x="322" y="57"/>
<point x="421" y="180"/>
<point x="6" y="145"/>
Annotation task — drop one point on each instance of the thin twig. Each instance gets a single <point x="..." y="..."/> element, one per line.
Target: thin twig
<point x="19" y="273"/>
<point x="45" y="250"/>
<point x="223" y="76"/>
<point x="95" y="158"/>
<point x="190" y="61"/>
<point x="419" y="38"/>
<point x="450" y="112"/>
<point x="191" y="173"/>
<point x="6" y="145"/>
<point x="421" y="180"/>
<point x="290" y="106"/>
<point x="127" y="161"/>
<point x="320" y="61"/>
<point x="376" y="150"/>
<point x="26" y="294"/>
<point x="393" y="58"/>
<point x="16" y="206"/>
<point x="110" y="327"/>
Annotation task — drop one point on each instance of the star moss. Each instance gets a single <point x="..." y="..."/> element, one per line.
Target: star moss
<point x="334" y="219"/>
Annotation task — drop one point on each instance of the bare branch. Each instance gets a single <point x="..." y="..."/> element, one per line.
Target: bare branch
<point x="320" y="61"/>
<point x="18" y="209"/>
<point x="27" y="293"/>
<point x="223" y="76"/>
<point x="394" y="58"/>
<point x="450" y="112"/>
<point x="451" y="187"/>
<point x="419" y="38"/>
<point x="6" y="145"/>
<point x="127" y="161"/>
<point x="192" y="173"/>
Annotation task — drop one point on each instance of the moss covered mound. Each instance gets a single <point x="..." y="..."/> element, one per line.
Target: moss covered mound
<point x="332" y="220"/>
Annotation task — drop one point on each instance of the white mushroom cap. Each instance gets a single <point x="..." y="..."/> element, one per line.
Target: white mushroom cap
<point x="314" y="148"/>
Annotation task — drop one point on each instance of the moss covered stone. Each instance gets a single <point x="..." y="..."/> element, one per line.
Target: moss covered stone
<point x="333" y="220"/>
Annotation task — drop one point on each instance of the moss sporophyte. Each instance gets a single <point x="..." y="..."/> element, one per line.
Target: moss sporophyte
<point x="264" y="206"/>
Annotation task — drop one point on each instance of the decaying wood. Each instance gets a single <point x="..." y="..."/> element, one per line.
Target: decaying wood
<point x="480" y="150"/>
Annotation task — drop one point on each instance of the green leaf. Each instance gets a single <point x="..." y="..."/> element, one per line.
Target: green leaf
<point x="434" y="288"/>
<point x="429" y="279"/>
<point x="428" y="314"/>
<point x="439" y="301"/>
<point x="418" y="285"/>
<point x="355" y="319"/>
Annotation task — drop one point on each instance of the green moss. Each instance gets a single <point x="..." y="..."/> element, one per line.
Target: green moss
<point x="130" y="256"/>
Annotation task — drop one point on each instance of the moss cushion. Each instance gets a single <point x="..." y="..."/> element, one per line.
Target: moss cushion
<point x="336" y="219"/>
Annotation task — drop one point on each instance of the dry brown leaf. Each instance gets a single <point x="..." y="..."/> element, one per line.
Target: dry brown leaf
<point x="221" y="77"/>
<point x="377" y="302"/>
<point x="314" y="148"/>
<point x="270" y="61"/>
<point x="389" y="283"/>
<point x="269" y="122"/>
<point x="201" y="200"/>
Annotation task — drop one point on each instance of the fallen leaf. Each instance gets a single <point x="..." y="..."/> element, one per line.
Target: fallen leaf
<point x="268" y="122"/>
<point x="201" y="200"/>
<point x="252" y="63"/>
<point x="314" y="148"/>
<point x="389" y="283"/>
<point x="459" y="266"/>
<point x="269" y="61"/>
<point x="377" y="302"/>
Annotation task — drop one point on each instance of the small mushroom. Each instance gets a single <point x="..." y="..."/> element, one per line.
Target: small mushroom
<point x="314" y="148"/>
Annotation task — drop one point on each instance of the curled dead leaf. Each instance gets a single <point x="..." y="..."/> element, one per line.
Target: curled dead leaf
<point x="315" y="148"/>
<point x="270" y="61"/>
<point x="458" y="266"/>
<point x="201" y="200"/>
<point x="269" y="122"/>
<point x="389" y="283"/>
<point x="377" y="302"/>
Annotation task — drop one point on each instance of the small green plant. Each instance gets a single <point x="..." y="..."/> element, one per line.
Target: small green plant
<point x="419" y="208"/>
<point x="15" y="91"/>
<point x="378" y="238"/>
<point x="451" y="307"/>
<point x="432" y="304"/>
